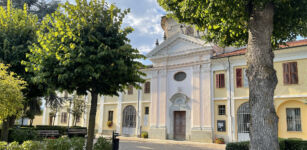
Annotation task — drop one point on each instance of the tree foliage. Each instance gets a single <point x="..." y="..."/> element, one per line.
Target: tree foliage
<point x="11" y="96"/>
<point x="83" y="47"/>
<point x="39" y="7"/>
<point x="226" y="21"/>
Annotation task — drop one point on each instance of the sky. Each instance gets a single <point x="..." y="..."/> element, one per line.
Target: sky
<point x="144" y="17"/>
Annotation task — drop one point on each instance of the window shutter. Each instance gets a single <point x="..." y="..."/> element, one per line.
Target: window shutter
<point x="217" y="81"/>
<point x="222" y="80"/>
<point x="294" y="74"/>
<point x="239" y="77"/>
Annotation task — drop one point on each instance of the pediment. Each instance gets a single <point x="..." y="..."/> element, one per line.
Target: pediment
<point x="177" y="44"/>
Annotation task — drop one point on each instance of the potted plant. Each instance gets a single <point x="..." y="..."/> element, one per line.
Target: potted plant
<point x="144" y="134"/>
<point x="110" y="123"/>
<point x="219" y="141"/>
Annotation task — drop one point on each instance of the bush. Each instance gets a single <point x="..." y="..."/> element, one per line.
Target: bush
<point x="62" y="143"/>
<point x="295" y="144"/>
<point x="77" y="143"/>
<point x="219" y="141"/>
<point x="22" y="134"/>
<point x="32" y="145"/>
<point x="144" y="134"/>
<point x="238" y="146"/>
<point x="14" y="146"/>
<point x="103" y="143"/>
<point x="285" y="144"/>
<point x="3" y="145"/>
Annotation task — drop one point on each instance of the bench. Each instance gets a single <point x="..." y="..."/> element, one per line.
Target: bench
<point x="48" y="133"/>
<point x="77" y="132"/>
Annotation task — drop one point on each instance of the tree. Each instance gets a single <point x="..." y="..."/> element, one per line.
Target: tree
<point x="78" y="109"/>
<point x="55" y="103"/>
<point x="262" y="25"/>
<point x="11" y="97"/>
<point x="83" y="48"/>
<point x="39" y="7"/>
<point x="18" y="32"/>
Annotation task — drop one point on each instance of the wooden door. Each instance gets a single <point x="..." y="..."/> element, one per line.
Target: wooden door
<point x="179" y="125"/>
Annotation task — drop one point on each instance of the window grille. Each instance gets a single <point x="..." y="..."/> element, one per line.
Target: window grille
<point x="243" y="118"/>
<point x="129" y="117"/>
<point x="146" y="110"/>
<point x="110" y="116"/>
<point x="294" y="119"/>
<point x="221" y="109"/>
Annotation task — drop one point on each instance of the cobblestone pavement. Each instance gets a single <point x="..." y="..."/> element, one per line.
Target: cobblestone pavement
<point x="135" y="144"/>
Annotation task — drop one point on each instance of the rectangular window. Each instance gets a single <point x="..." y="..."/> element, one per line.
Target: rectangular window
<point x="290" y="73"/>
<point x="222" y="109"/>
<point x="294" y="119"/>
<point x="78" y="119"/>
<point x="221" y="125"/>
<point x="147" y="87"/>
<point x="239" y="77"/>
<point x="64" y="117"/>
<point x="220" y="80"/>
<point x="110" y="116"/>
<point x="130" y="89"/>
<point x="146" y="110"/>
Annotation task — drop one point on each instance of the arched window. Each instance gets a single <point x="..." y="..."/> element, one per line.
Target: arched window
<point x="129" y="118"/>
<point x="243" y="118"/>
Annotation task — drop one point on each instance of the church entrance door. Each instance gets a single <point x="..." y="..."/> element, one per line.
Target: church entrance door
<point x="179" y="125"/>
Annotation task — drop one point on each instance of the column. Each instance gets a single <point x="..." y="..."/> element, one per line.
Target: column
<point x="44" y="111"/>
<point x="138" y="123"/>
<point x="162" y="99"/>
<point x="119" y="113"/>
<point x="195" y="98"/>
<point x="101" y="106"/>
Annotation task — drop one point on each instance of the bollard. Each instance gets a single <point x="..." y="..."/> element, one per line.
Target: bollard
<point x="115" y="141"/>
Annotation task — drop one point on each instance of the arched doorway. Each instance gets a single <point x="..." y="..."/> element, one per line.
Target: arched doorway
<point x="243" y="122"/>
<point x="129" y="117"/>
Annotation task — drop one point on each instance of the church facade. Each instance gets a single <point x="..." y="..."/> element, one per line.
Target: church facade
<point x="197" y="91"/>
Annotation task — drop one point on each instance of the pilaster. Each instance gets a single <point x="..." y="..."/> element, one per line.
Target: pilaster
<point x="119" y="113"/>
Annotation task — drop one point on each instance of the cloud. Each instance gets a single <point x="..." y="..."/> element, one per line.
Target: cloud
<point x="144" y="17"/>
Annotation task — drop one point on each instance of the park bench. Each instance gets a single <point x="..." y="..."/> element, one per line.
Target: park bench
<point x="48" y="133"/>
<point x="77" y="132"/>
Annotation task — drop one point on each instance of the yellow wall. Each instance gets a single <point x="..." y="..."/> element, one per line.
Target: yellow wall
<point x="281" y="88"/>
<point x="145" y="128"/>
<point x="110" y="99"/>
<point x="220" y="92"/>
<point x="294" y="89"/>
<point x="106" y="110"/>
<point x="132" y="97"/>
<point x="282" y="124"/>
<point x="38" y="120"/>
<point x="220" y="117"/>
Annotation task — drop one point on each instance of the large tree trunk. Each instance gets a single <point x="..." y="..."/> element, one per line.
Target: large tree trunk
<point x="5" y="130"/>
<point x="91" y="124"/>
<point x="262" y="80"/>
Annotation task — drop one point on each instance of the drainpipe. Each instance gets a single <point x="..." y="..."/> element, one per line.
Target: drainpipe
<point x="138" y="113"/>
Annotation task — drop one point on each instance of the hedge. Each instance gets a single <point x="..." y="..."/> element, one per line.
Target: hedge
<point x="285" y="144"/>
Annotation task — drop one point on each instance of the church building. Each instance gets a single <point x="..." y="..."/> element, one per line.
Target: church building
<point x="197" y="91"/>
